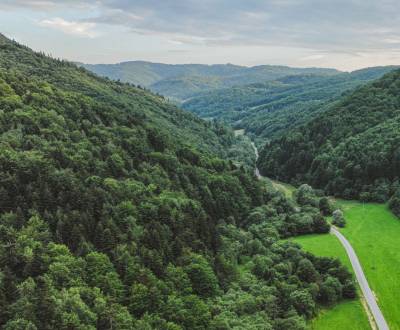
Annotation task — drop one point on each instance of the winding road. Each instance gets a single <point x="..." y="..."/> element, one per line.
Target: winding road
<point x="362" y="280"/>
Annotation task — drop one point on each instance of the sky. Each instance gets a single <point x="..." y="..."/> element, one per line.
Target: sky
<point x="342" y="34"/>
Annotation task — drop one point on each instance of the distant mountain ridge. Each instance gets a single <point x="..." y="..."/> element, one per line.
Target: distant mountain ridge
<point x="181" y="81"/>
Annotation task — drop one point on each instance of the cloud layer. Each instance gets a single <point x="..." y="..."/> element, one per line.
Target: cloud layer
<point x="323" y="27"/>
<point x="83" y="29"/>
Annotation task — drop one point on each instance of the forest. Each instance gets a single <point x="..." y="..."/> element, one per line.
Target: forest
<point x="268" y="110"/>
<point x="350" y="150"/>
<point x="120" y="211"/>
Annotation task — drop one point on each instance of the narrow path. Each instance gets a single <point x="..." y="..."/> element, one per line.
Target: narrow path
<point x="256" y="170"/>
<point x="362" y="280"/>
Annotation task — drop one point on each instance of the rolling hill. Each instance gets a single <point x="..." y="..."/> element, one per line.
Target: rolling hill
<point x="117" y="211"/>
<point x="350" y="150"/>
<point x="182" y="81"/>
<point x="267" y="110"/>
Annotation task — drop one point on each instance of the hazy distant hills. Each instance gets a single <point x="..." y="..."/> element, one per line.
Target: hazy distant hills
<point x="182" y="81"/>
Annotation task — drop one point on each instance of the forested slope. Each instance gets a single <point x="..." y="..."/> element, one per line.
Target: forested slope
<point x="351" y="150"/>
<point x="116" y="213"/>
<point x="267" y="110"/>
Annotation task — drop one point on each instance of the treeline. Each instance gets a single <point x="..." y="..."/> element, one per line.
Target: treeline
<point x="115" y="214"/>
<point x="351" y="150"/>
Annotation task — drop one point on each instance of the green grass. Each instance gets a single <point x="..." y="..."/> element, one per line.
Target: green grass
<point x="374" y="233"/>
<point x="347" y="314"/>
<point x="344" y="316"/>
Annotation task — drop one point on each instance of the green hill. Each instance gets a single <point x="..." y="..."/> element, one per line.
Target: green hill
<point x="117" y="212"/>
<point x="182" y="81"/>
<point x="267" y="110"/>
<point x="350" y="150"/>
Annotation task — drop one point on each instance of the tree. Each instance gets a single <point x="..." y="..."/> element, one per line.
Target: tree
<point x="394" y="203"/>
<point x="303" y="302"/>
<point x="321" y="226"/>
<point x="202" y="277"/>
<point x="338" y="218"/>
<point x="305" y="195"/>
<point x="325" y="206"/>
<point x="306" y="271"/>
<point x="330" y="290"/>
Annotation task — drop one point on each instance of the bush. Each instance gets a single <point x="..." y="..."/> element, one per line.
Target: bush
<point x="338" y="219"/>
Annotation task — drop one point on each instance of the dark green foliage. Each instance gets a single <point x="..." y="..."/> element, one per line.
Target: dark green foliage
<point x="117" y="213"/>
<point x="325" y="206"/>
<point x="351" y="150"/>
<point x="394" y="203"/>
<point x="269" y="109"/>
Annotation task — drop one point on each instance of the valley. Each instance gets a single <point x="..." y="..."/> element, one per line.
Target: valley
<point x="142" y="195"/>
<point x="362" y="220"/>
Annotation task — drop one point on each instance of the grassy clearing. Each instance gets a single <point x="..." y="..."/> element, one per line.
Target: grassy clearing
<point x="287" y="189"/>
<point x="348" y="314"/>
<point x="239" y="132"/>
<point x="374" y="233"/>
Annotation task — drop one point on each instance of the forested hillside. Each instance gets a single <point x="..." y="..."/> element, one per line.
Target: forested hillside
<point x="182" y="81"/>
<point x="267" y="110"/>
<point x="351" y="150"/>
<point x="116" y="213"/>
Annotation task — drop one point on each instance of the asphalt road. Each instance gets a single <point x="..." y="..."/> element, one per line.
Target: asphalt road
<point x="362" y="280"/>
<point x="366" y="290"/>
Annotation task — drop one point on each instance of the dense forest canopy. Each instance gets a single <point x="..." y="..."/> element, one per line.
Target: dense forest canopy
<point x="268" y="110"/>
<point x="117" y="211"/>
<point x="350" y="150"/>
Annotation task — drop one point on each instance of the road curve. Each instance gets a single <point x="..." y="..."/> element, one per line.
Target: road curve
<point x="366" y="290"/>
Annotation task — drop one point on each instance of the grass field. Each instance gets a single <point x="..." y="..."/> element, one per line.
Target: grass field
<point x="347" y="314"/>
<point x="374" y="233"/>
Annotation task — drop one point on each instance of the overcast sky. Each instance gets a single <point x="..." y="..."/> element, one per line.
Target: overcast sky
<point x="345" y="34"/>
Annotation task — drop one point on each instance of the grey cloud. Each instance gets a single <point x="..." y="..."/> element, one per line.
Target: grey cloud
<point x="303" y="23"/>
<point x="44" y="5"/>
<point x="324" y="25"/>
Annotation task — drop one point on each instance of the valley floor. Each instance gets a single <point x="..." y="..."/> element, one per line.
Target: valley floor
<point x="374" y="234"/>
<point x="348" y="314"/>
